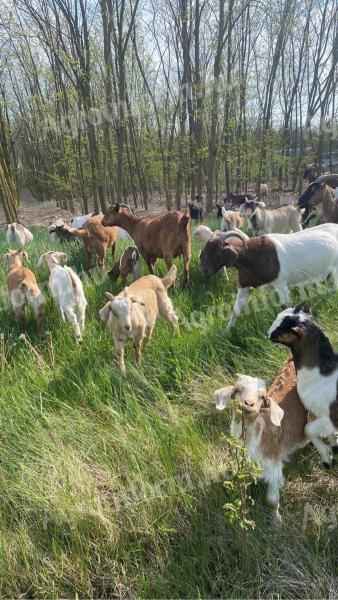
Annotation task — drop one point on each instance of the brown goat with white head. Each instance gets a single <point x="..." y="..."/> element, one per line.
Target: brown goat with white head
<point x="164" y="236"/>
<point x="272" y="422"/>
<point x="129" y="263"/>
<point x="22" y="287"/>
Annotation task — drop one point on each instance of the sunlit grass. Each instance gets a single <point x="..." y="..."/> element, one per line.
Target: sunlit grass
<point x="104" y="478"/>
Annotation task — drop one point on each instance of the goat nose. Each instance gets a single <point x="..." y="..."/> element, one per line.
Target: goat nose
<point x="127" y="327"/>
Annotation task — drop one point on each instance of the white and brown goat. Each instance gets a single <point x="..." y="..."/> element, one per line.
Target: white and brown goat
<point x="132" y="314"/>
<point x="22" y="287"/>
<point x="271" y="422"/>
<point x="129" y="263"/>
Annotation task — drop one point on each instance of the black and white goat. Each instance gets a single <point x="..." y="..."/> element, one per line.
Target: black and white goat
<point x="316" y="364"/>
<point x="278" y="261"/>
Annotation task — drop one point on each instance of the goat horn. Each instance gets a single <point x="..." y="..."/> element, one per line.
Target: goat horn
<point x="331" y="179"/>
<point x="239" y="234"/>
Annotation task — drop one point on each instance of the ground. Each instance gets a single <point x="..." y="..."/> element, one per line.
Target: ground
<point x="113" y="485"/>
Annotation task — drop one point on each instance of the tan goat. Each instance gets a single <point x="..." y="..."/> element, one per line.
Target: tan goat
<point x="96" y="239"/>
<point x="164" y="236"/>
<point x="22" y="287"/>
<point x="132" y="314"/>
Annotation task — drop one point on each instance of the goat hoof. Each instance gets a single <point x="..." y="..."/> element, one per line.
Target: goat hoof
<point x="79" y="340"/>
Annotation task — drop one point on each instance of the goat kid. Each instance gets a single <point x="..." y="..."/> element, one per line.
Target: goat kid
<point x="231" y="220"/>
<point x="18" y="234"/>
<point x="130" y="262"/>
<point x="317" y="374"/>
<point x="272" y="422"/>
<point x="132" y="314"/>
<point x="22" y="287"/>
<point x="278" y="261"/>
<point x="67" y="291"/>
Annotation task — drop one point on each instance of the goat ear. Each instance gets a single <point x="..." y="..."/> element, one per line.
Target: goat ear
<point x="25" y="256"/>
<point x="63" y="256"/>
<point x="110" y="296"/>
<point x="222" y="396"/>
<point x="261" y="204"/>
<point x="5" y="260"/>
<point x="304" y="307"/>
<point x="104" y="312"/>
<point x="276" y="413"/>
<point x="117" y="207"/>
<point x="230" y="255"/>
<point x="41" y="260"/>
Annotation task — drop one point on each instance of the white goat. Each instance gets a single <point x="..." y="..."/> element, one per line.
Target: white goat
<point x="272" y="422"/>
<point x="285" y="219"/>
<point x="18" y="234"/>
<point x="67" y="291"/>
<point x="132" y="314"/>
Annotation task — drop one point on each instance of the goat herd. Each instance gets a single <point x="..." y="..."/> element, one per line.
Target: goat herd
<point x="301" y="404"/>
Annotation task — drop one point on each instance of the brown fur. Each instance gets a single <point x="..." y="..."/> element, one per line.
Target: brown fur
<point x="96" y="239"/>
<point x="262" y="191"/>
<point x="164" y="236"/>
<point x="21" y="280"/>
<point x="257" y="264"/>
<point x="283" y="391"/>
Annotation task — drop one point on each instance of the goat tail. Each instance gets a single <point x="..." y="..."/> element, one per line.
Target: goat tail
<point x="76" y="284"/>
<point x="170" y="278"/>
<point x="184" y="221"/>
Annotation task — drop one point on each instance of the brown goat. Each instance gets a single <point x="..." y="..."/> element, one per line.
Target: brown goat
<point x="23" y="288"/>
<point x="129" y="262"/>
<point x="96" y="239"/>
<point x="164" y="236"/>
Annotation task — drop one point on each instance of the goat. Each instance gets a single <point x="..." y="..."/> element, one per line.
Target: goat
<point x="130" y="262"/>
<point x="317" y="374"/>
<point x="18" y="234"/>
<point x="196" y="208"/>
<point x="67" y="291"/>
<point x="231" y="220"/>
<point x="284" y="219"/>
<point x="278" y="261"/>
<point x="132" y="314"/>
<point x="96" y="239"/>
<point x="319" y="195"/>
<point x="22" y="288"/>
<point x="164" y="236"/>
<point x="262" y="190"/>
<point x="310" y="172"/>
<point x="272" y="422"/>
<point x="58" y="232"/>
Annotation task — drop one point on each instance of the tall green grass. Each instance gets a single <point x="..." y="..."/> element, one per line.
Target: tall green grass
<point x="109" y="483"/>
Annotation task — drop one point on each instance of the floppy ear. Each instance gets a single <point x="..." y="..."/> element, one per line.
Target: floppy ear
<point x="230" y="255"/>
<point x="117" y="207"/>
<point x="222" y="397"/>
<point x="303" y="307"/>
<point x="62" y="256"/>
<point x="276" y="413"/>
<point x="104" y="312"/>
<point x="261" y="204"/>
<point x="110" y="296"/>
<point x="41" y="260"/>
<point x="25" y="256"/>
<point x="5" y="260"/>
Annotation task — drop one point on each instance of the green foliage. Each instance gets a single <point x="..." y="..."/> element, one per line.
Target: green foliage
<point x="113" y="486"/>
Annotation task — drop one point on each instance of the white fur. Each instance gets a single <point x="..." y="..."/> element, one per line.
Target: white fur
<point x="67" y="291"/>
<point x="252" y="389"/>
<point x="18" y="234"/>
<point x="280" y="220"/>
<point x="302" y="316"/>
<point x="203" y="234"/>
<point x="305" y="257"/>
